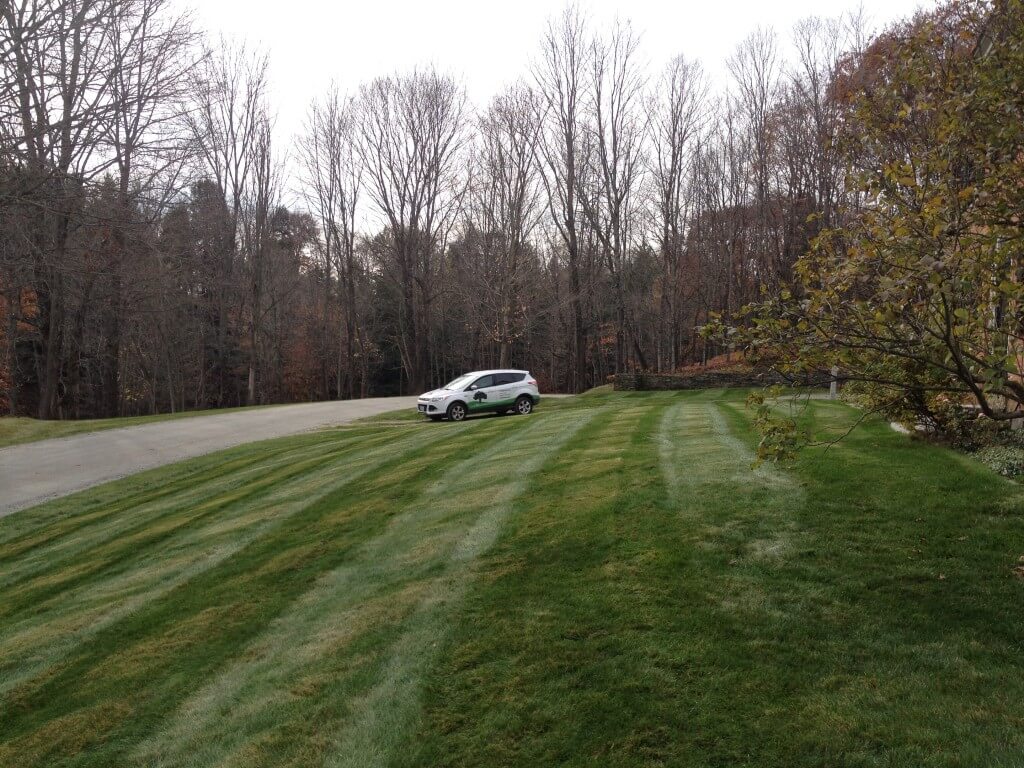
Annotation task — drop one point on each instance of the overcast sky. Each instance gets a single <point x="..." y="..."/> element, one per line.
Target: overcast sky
<point x="486" y="43"/>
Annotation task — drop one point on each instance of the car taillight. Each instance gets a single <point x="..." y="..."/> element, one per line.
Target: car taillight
<point x="532" y="382"/>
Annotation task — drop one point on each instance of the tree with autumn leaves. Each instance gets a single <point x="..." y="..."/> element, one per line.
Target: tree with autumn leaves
<point x="917" y="295"/>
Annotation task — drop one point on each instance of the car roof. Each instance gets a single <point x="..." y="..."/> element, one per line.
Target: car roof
<point x="495" y="370"/>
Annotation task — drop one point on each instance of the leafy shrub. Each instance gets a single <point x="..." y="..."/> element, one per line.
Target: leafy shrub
<point x="1007" y="460"/>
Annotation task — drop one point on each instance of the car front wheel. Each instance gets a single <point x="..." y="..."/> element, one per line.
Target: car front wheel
<point x="524" y="406"/>
<point x="456" y="412"/>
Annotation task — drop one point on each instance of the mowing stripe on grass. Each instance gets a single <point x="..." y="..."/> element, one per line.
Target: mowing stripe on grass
<point x="42" y="639"/>
<point x="384" y="586"/>
<point x="754" y="530"/>
<point x="388" y="715"/>
<point x="157" y="531"/>
<point x="128" y="514"/>
<point x="699" y="455"/>
<point x="537" y="655"/>
<point x="64" y="517"/>
<point x="697" y="447"/>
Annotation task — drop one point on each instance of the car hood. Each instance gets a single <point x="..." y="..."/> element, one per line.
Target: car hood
<point x="435" y="393"/>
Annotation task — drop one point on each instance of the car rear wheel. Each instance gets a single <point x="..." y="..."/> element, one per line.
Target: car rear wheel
<point x="524" y="406"/>
<point x="456" y="412"/>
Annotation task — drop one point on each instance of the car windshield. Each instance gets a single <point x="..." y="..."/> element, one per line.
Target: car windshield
<point x="460" y="382"/>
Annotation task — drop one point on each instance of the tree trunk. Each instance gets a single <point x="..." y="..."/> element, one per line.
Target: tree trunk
<point x="52" y="338"/>
<point x="112" y="351"/>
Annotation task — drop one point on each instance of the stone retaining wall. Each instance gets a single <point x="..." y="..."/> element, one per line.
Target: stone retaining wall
<point x="635" y="382"/>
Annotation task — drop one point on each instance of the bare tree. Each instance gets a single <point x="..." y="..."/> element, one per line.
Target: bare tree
<point x="617" y="124"/>
<point x="227" y="122"/>
<point x="152" y="56"/>
<point x="57" y="66"/>
<point x="506" y="205"/>
<point x="412" y="131"/>
<point x="722" y="193"/>
<point x="755" y="69"/>
<point x="332" y="186"/>
<point x="260" y="202"/>
<point x="678" y="111"/>
<point x="560" y="74"/>
<point x="816" y="114"/>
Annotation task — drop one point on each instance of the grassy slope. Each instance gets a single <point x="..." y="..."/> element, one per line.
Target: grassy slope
<point x="605" y="582"/>
<point x="15" y="430"/>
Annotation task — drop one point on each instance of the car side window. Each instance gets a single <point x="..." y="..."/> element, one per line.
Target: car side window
<point x="483" y="381"/>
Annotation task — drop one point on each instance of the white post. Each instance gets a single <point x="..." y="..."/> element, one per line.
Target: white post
<point x="833" y="387"/>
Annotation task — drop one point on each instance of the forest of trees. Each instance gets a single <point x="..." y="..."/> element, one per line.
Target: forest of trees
<point x="163" y="248"/>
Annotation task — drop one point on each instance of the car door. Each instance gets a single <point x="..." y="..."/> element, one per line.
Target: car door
<point x="480" y="394"/>
<point x="505" y="388"/>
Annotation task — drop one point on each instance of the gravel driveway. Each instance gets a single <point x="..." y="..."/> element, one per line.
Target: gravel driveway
<point x="35" y="472"/>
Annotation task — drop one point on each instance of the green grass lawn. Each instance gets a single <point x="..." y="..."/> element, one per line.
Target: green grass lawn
<point x="603" y="583"/>
<point x="15" y="430"/>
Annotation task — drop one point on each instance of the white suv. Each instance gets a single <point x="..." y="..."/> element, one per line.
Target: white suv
<point x="479" y="392"/>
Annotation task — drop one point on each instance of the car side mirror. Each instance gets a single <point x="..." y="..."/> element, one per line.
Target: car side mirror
<point x="471" y="387"/>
